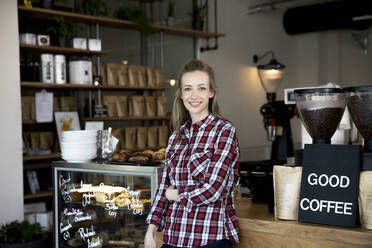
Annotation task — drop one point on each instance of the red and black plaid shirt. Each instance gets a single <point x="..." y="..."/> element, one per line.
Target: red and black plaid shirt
<point x="203" y="166"/>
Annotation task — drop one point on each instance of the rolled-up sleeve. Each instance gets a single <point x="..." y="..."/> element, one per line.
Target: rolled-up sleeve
<point x="219" y="171"/>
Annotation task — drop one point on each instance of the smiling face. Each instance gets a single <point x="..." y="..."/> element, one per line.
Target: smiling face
<point x="195" y="94"/>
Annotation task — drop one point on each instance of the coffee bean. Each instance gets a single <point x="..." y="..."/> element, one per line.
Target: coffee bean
<point x="322" y="123"/>
<point x="360" y="108"/>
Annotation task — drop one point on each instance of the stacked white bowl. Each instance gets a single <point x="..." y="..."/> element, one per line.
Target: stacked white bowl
<point x="79" y="146"/>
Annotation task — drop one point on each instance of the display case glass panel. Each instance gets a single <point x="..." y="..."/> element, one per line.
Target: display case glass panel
<point x="102" y="205"/>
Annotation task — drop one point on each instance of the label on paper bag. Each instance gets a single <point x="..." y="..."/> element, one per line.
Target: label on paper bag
<point x="44" y="106"/>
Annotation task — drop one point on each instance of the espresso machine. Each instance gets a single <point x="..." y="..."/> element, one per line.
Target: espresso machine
<point x="257" y="175"/>
<point x="276" y="114"/>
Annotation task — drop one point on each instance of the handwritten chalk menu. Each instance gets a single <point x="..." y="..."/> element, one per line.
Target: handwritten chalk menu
<point x="329" y="186"/>
<point x="81" y="202"/>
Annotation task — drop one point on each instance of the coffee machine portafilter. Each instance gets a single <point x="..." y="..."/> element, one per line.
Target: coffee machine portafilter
<point x="276" y="118"/>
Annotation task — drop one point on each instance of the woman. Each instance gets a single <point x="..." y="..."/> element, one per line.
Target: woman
<point x="194" y="202"/>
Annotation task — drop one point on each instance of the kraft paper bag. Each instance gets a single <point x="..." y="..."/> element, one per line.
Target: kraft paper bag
<point x="159" y="76"/>
<point x="123" y="75"/>
<point x="162" y="105"/>
<point x="152" y="137"/>
<point x="56" y="104"/>
<point x="68" y="103"/>
<point x="112" y="74"/>
<point x="35" y="140"/>
<point x="150" y="105"/>
<point x="136" y="76"/>
<point x="28" y="108"/>
<point x="46" y="140"/>
<point x="110" y="102"/>
<point x="141" y="137"/>
<point x="130" y="138"/>
<point x="119" y="133"/>
<point x="287" y="186"/>
<point x="365" y="199"/>
<point x="138" y="105"/>
<point x="122" y="106"/>
<point x="163" y="136"/>
<point x="150" y="77"/>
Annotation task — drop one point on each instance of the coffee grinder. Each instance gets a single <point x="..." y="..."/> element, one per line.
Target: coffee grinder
<point x="359" y="103"/>
<point x="330" y="173"/>
<point x="276" y="114"/>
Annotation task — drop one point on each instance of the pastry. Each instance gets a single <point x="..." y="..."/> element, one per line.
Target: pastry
<point x="161" y="150"/>
<point x="126" y="152"/>
<point x="107" y="193"/>
<point x="159" y="156"/>
<point x="141" y="154"/>
<point x="122" y="202"/>
<point x="119" y="157"/>
<point x="77" y="194"/>
<point x="150" y="152"/>
<point x="139" y="159"/>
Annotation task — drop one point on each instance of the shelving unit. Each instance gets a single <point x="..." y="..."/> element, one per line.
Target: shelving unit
<point x="64" y="50"/>
<point x="42" y="157"/>
<point x="129" y="118"/>
<point x="110" y="22"/>
<point x="42" y="194"/>
<point x="84" y="86"/>
<point x="32" y="162"/>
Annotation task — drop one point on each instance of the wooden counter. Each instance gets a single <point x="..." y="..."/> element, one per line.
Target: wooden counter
<point x="259" y="229"/>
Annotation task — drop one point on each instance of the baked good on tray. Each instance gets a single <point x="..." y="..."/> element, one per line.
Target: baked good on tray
<point x="107" y="193"/>
<point x="139" y="159"/>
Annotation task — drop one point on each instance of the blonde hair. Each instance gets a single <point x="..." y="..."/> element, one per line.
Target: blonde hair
<point x="180" y="114"/>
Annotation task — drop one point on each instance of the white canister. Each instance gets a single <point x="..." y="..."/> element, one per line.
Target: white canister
<point x="43" y="40"/>
<point x="80" y="72"/>
<point x="79" y="43"/>
<point x="28" y="38"/>
<point x="94" y="45"/>
<point x="47" y="68"/>
<point x="60" y="69"/>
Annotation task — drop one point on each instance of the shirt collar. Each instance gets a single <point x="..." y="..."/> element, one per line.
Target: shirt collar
<point x="200" y="125"/>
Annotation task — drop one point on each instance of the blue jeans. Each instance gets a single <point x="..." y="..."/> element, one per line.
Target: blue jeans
<point x="223" y="243"/>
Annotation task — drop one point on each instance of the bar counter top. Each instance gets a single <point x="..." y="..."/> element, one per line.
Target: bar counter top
<point x="259" y="229"/>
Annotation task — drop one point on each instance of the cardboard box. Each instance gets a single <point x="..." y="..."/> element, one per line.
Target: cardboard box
<point x="45" y="219"/>
<point x="28" y="38"/>
<point x="79" y="43"/>
<point x="80" y="72"/>
<point x="43" y="40"/>
<point x="34" y="207"/>
<point x="95" y="45"/>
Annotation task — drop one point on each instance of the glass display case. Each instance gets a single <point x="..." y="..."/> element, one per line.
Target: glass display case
<point x="102" y="205"/>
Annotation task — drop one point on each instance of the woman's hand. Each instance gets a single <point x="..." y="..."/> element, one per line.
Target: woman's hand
<point x="150" y="237"/>
<point x="172" y="194"/>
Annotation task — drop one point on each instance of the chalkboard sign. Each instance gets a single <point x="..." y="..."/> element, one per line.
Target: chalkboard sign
<point x="329" y="186"/>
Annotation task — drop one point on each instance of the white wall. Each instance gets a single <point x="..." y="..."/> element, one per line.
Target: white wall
<point x="311" y="59"/>
<point x="240" y="92"/>
<point x="11" y="172"/>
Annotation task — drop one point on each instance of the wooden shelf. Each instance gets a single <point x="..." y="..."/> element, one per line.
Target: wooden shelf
<point x="34" y="122"/>
<point x="129" y="118"/>
<point x="44" y="193"/>
<point x="42" y="157"/>
<point x="85" y="86"/>
<point x="47" y="231"/>
<point x="110" y="22"/>
<point x="63" y="50"/>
